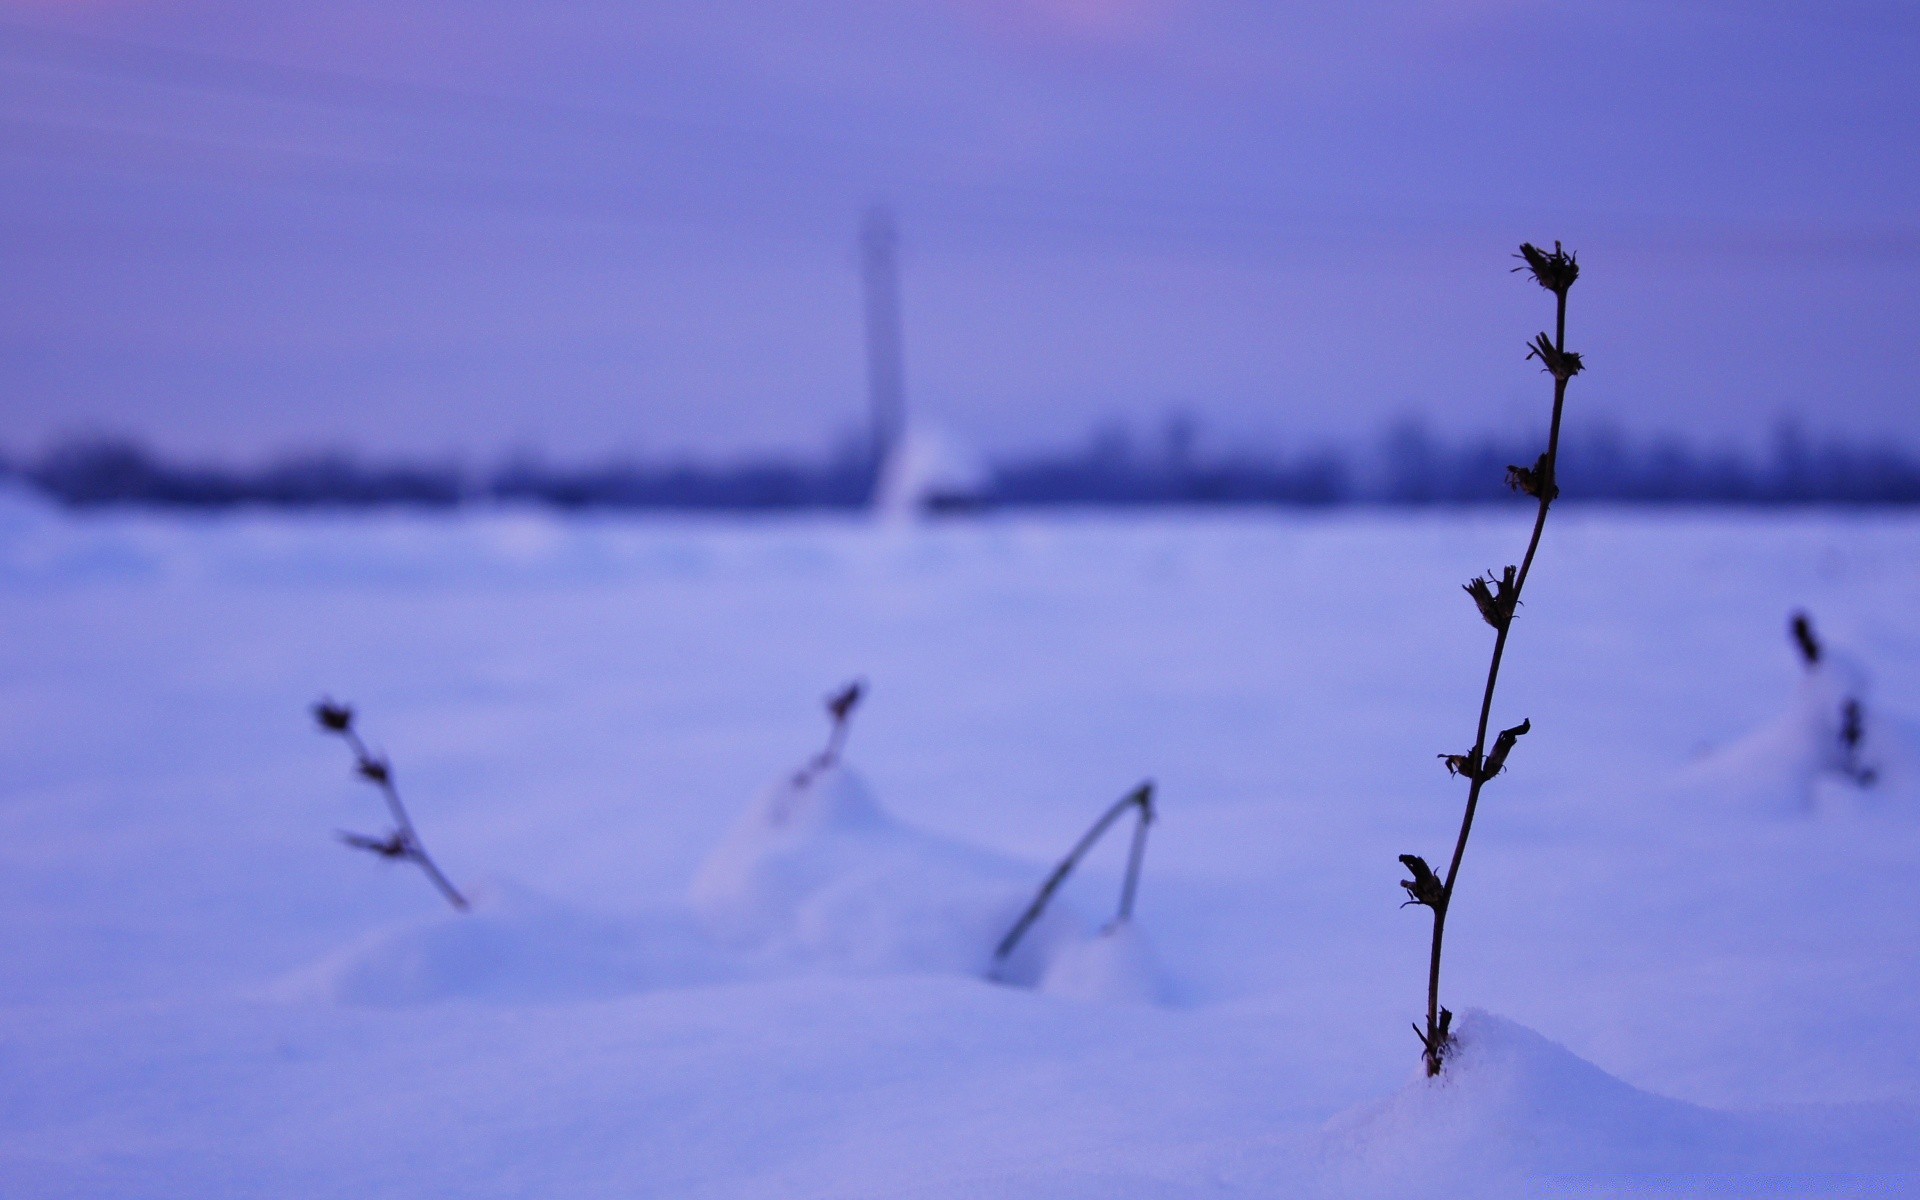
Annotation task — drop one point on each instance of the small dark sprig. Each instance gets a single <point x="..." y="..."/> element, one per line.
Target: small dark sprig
<point x="1554" y="271"/>
<point x="1853" y="725"/>
<point x="1461" y="764"/>
<point x="1853" y="715"/>
<point x="1425" y="887"/>
<point x="1853" y="732"/>
<point x="1536" y="481"/>
<point x="1561" y="364"/>
<point x="841" y="704"/>
<point x="1803" y="638"/>
<point x="403" y="842"/>
<point x="334" y="718"/>
<point x="1495" y="598"/>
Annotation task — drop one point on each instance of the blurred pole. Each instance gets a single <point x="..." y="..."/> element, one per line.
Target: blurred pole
<point x="886" y="369"/>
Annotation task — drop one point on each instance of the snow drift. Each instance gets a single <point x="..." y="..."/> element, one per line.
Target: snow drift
<point x="167" y="848"/>
<point x="815" y="871"/>
<point x="1515" y="1114"/>
<point x="516" y="946"/>
<point x="813" y="876"/>
<point x="1117" y="966"/>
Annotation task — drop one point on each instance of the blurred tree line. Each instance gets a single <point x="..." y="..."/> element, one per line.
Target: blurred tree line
<point x="1409" y="466"/>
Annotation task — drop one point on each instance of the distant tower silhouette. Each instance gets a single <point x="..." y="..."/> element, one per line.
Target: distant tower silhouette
<point x="886" y="368"/>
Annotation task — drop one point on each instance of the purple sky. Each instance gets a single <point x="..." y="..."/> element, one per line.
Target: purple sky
<point x="594" y="227"/>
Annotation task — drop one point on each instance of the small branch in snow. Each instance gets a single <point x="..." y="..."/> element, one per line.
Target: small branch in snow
<point x="1853" y="714"/>
<point x="404" y="841"/>
<point x="1140" y="798"/>
<point x="840" y="706"/>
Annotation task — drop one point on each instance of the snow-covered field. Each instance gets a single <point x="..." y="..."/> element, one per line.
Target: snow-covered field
<point x="1702" y="943"/>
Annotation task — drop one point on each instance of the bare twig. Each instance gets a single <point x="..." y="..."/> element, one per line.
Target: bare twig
<point x="404" y="841"/>
<point x="1497" y="598"/>
<point x="840" y="706"/>
<point x="1140" y="798"/>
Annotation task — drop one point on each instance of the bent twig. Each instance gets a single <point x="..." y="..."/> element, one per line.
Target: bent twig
<point x="1140" y="798"/>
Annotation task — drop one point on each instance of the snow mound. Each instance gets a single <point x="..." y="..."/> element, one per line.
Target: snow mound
<point x="515" y="947"/>
<point x="1512" y="1110"/>
<point x="1117" y="967"/>
<point x="813" y="876"/>
<point x="815" y="871"/>
<point x="1831" y="748"/>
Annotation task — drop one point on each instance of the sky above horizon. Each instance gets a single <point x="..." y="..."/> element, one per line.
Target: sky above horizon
<point x="612" y="228"/>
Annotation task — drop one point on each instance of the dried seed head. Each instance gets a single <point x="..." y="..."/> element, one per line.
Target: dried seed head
<point x="1425" y="887"/>
<point x="1470" y="765"/>
<point x="375" y="770"/>
<point x="841" y="704"/>
<point x="1503" y="746"/>
<point x="334" y="718"/>
<point x="1486" y="601"/>
<point x="1561" y="364"/>
<point x="1495" y="598"/>
<point x="1534" y="480"/>
<point x="1554" y="271"/>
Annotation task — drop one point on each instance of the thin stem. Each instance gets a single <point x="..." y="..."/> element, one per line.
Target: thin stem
<point x="1548" y="485"/>
<point x="1135" y="855"/>
<point x="410" y="837"/>
<point x="840" y="708"/>
<point x="836" y="742"/>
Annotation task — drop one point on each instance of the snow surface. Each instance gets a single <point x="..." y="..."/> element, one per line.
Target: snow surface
<point x="684" y="976"/>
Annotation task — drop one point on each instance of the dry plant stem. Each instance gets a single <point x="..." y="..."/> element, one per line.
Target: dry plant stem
<point x="1140" y="798"/>
<point x="1135" y="854"/>
<point x="410" y="838"/>
<point x="1436" y="1035"/>
<point x="840" y="708"/>
<point x="836" y="742"/>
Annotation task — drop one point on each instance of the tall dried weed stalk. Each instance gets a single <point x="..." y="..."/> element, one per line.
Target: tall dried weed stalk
<point x="1497" y="598"/>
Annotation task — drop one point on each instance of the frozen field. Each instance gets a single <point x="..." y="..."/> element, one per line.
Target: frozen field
<point x="1703" y="951"/>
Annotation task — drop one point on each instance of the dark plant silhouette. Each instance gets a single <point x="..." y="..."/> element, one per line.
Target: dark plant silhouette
<point x="840" y="706"/>
<point x="1804" y="639"/>
<point x="1852" y="731"/>
<point x="1498" y="599"/>
<point x="1140" y="799"/>
<point x="404" y="842"/>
